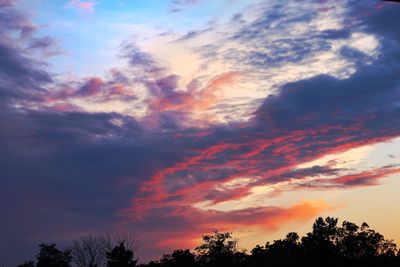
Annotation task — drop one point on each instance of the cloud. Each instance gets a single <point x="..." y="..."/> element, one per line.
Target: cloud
<point x="281" y="34"/>
<point x="141" y="60"/>
<point x="185" y="2"/>
<point x="18" y="72"/>
<point x="41" y="43"/>
<point x="86" y="6"/>
<point x="307" y="119"/>
<point x="194" y="103"/>
<point x="92" y="90"/>
<point x="275" y="43"/>
<point x="6" y="3"/>
<point x="12" y="20"/>
<point x="190" y="224"/>
<point x="22" y="77"/>
<point x="364" y="178"/>
<point x="64" y="107"/>
<point x="91" y="87"/>
<point x="193" y="34"/>
<point x="177" y="5"/>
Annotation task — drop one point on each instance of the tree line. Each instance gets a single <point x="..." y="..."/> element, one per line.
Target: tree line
<point x="328" y="244"/>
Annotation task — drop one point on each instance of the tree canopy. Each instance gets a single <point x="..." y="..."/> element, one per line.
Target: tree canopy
<point x="327" y="244"/>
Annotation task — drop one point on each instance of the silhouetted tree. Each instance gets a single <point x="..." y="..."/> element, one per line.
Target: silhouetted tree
<point x="217" y="250"/>
<point x="27" y="264"/>
<point x="326" y="245"/>
<point x="89" y="251"/>
<point x="50" y="256"/>
<point x="150" y="264"/>
<point x="128" y="238"/>
<point x="319" y="246"/>
<point x="284" y="252"/>
<point x="120" y="256"/>
<point x="364" y="245"/>
<point x="258" y="255"/>
<point x="179" y="258"/>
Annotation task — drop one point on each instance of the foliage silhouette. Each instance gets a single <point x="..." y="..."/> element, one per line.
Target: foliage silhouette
<point x="217" y="250"/>
<point x="120" y="256"/>
<point x="179" y="258"/>
<point x="50" y="256"/>
<point x="27" y="264"/>
<point x="328" y="244"/>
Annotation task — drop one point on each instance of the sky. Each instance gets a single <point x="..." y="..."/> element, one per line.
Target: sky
<point x="174" y="118"/>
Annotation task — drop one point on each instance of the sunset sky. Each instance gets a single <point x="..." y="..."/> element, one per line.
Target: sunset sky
<point x="174" y="118"/>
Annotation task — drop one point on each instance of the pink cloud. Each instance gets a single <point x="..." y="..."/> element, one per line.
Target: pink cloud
<point x="93" y="89"/>
<point x="192" y="101"/>
<point x="365" y="178"/>
<point x="267" y="159"/>
<point x="87" y="6"/>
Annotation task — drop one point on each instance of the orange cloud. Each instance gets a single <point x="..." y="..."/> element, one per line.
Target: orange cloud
<point x="182" y="227"/>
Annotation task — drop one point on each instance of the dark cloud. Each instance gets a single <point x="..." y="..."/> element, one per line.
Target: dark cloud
<point x="21" y="76"/>
<point x="193" y="34"/>
<point x="91" y="87"/>
<point x="352" y="180"/>
<point x="368" y="93"/>
<point x="23" y="79"/>
<point x="41" y="43"/>
<point x="238" y="18"/>
<point x="307" y="172"/>
<point x="167" y="84"/>
<point x="279" y="34"/>
<point x="68" y="167"/>
<point x="12" y="20"/>
<point x="141" y="60"/>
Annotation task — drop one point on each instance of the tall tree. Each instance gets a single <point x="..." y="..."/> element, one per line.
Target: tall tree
<point x="50" y="256"/>
<point x="319" y="245"/>
<point x="120" y="256"/>
<point x="89" y="251"/>
<point x="217" y="249"/>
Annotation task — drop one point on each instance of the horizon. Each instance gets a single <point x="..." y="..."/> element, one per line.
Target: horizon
<point x="175" y="118"/>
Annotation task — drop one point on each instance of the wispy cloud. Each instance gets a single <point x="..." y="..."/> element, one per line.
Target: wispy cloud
<point x="86" y="6"/>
